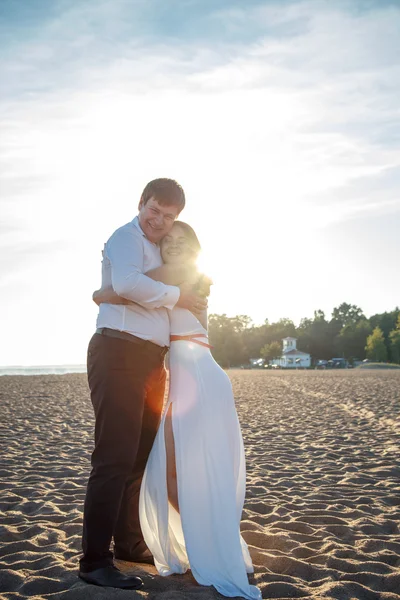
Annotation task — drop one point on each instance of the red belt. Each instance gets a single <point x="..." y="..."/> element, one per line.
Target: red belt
<point x="191" y="338"/>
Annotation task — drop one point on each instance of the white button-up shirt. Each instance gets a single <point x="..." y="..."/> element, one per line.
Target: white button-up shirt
<point x="127" y="256"/>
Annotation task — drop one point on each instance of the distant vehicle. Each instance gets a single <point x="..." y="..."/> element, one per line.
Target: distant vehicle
<point x="256" y="363"/>
<point x="321" y="364"/>
<point x="339" y="363"/>
<point x="333" y="363"/>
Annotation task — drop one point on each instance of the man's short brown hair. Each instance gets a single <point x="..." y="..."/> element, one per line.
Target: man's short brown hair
<point x="166" y="191"/>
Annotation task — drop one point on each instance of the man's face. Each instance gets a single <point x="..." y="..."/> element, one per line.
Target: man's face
<point x="156" y="220"/>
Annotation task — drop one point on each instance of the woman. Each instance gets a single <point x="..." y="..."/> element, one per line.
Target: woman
<point x="193" y="520"/>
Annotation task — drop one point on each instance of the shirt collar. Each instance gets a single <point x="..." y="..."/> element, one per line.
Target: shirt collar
<point x="136" y="224"/>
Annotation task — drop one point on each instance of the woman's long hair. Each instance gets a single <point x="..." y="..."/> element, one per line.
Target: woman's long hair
<point x="191" y="236"/>
<point x="204" y="282"/>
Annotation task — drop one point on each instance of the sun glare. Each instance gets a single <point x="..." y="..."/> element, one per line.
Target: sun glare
<point x="207" y="265"/>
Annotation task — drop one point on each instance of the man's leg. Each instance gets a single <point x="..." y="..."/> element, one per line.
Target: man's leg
<point x="128" y="538"/>
<point x="117" y="374"/>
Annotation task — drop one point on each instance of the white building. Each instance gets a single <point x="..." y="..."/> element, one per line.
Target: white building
<point x="291" y="357"/>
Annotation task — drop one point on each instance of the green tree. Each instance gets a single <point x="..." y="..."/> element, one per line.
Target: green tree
<point x="303" y="335"/>
<point x="386" y="322"/>
<point x="275" y="332"/>
<point x="255" y="338"/>
<point x="315" y="336"/>
<point x="347" y="314"/>
<point x="394" y="337"/>
<point x="351" y="341"/>
<point x="270" y="351"/>
<point x="376" y="348"/>
<point x="226" y="337"/>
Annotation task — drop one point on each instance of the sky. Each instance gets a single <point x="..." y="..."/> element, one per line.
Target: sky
<point x="281" y="120"/>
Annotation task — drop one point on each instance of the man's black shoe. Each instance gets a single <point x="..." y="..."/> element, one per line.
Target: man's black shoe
<point x="110" y="576"/>
<point x="146" y="557"/>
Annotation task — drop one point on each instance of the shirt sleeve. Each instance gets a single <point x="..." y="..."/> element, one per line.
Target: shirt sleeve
<point x="126" y="255"/>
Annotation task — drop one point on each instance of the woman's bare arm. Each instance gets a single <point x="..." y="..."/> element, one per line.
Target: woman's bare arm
<point x="183" y="274"/>
<point x="172" y="274"/>
<point x="203" y="318"/>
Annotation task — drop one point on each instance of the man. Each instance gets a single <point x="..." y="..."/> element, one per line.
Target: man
<point x="126" y="377"/>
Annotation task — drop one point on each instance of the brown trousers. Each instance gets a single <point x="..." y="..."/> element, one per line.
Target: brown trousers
<point x="127" y="383"/>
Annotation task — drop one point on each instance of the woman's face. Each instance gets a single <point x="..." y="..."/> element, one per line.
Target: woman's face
<point x="175" y="247"/>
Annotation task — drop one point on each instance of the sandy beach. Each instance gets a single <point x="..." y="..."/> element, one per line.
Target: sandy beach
<point x="322" y="511"/>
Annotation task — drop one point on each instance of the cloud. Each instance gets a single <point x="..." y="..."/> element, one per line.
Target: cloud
<point x="29" y="264"/>
<point x="312" y="97"/>
<point x="318" y="80"/>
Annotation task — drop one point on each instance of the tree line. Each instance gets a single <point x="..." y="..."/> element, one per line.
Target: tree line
<point x="348" y="334"/>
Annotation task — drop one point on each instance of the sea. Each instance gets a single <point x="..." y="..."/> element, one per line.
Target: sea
<point x="42" y="370"/>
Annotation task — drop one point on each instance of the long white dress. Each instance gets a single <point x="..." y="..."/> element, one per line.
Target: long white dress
<point x="211" y="474"/>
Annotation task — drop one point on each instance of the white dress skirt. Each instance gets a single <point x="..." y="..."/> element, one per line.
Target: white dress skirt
<point x="211" y="473"/>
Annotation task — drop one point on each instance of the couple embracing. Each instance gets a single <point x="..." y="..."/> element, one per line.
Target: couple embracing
<point x="169" y="490"/>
